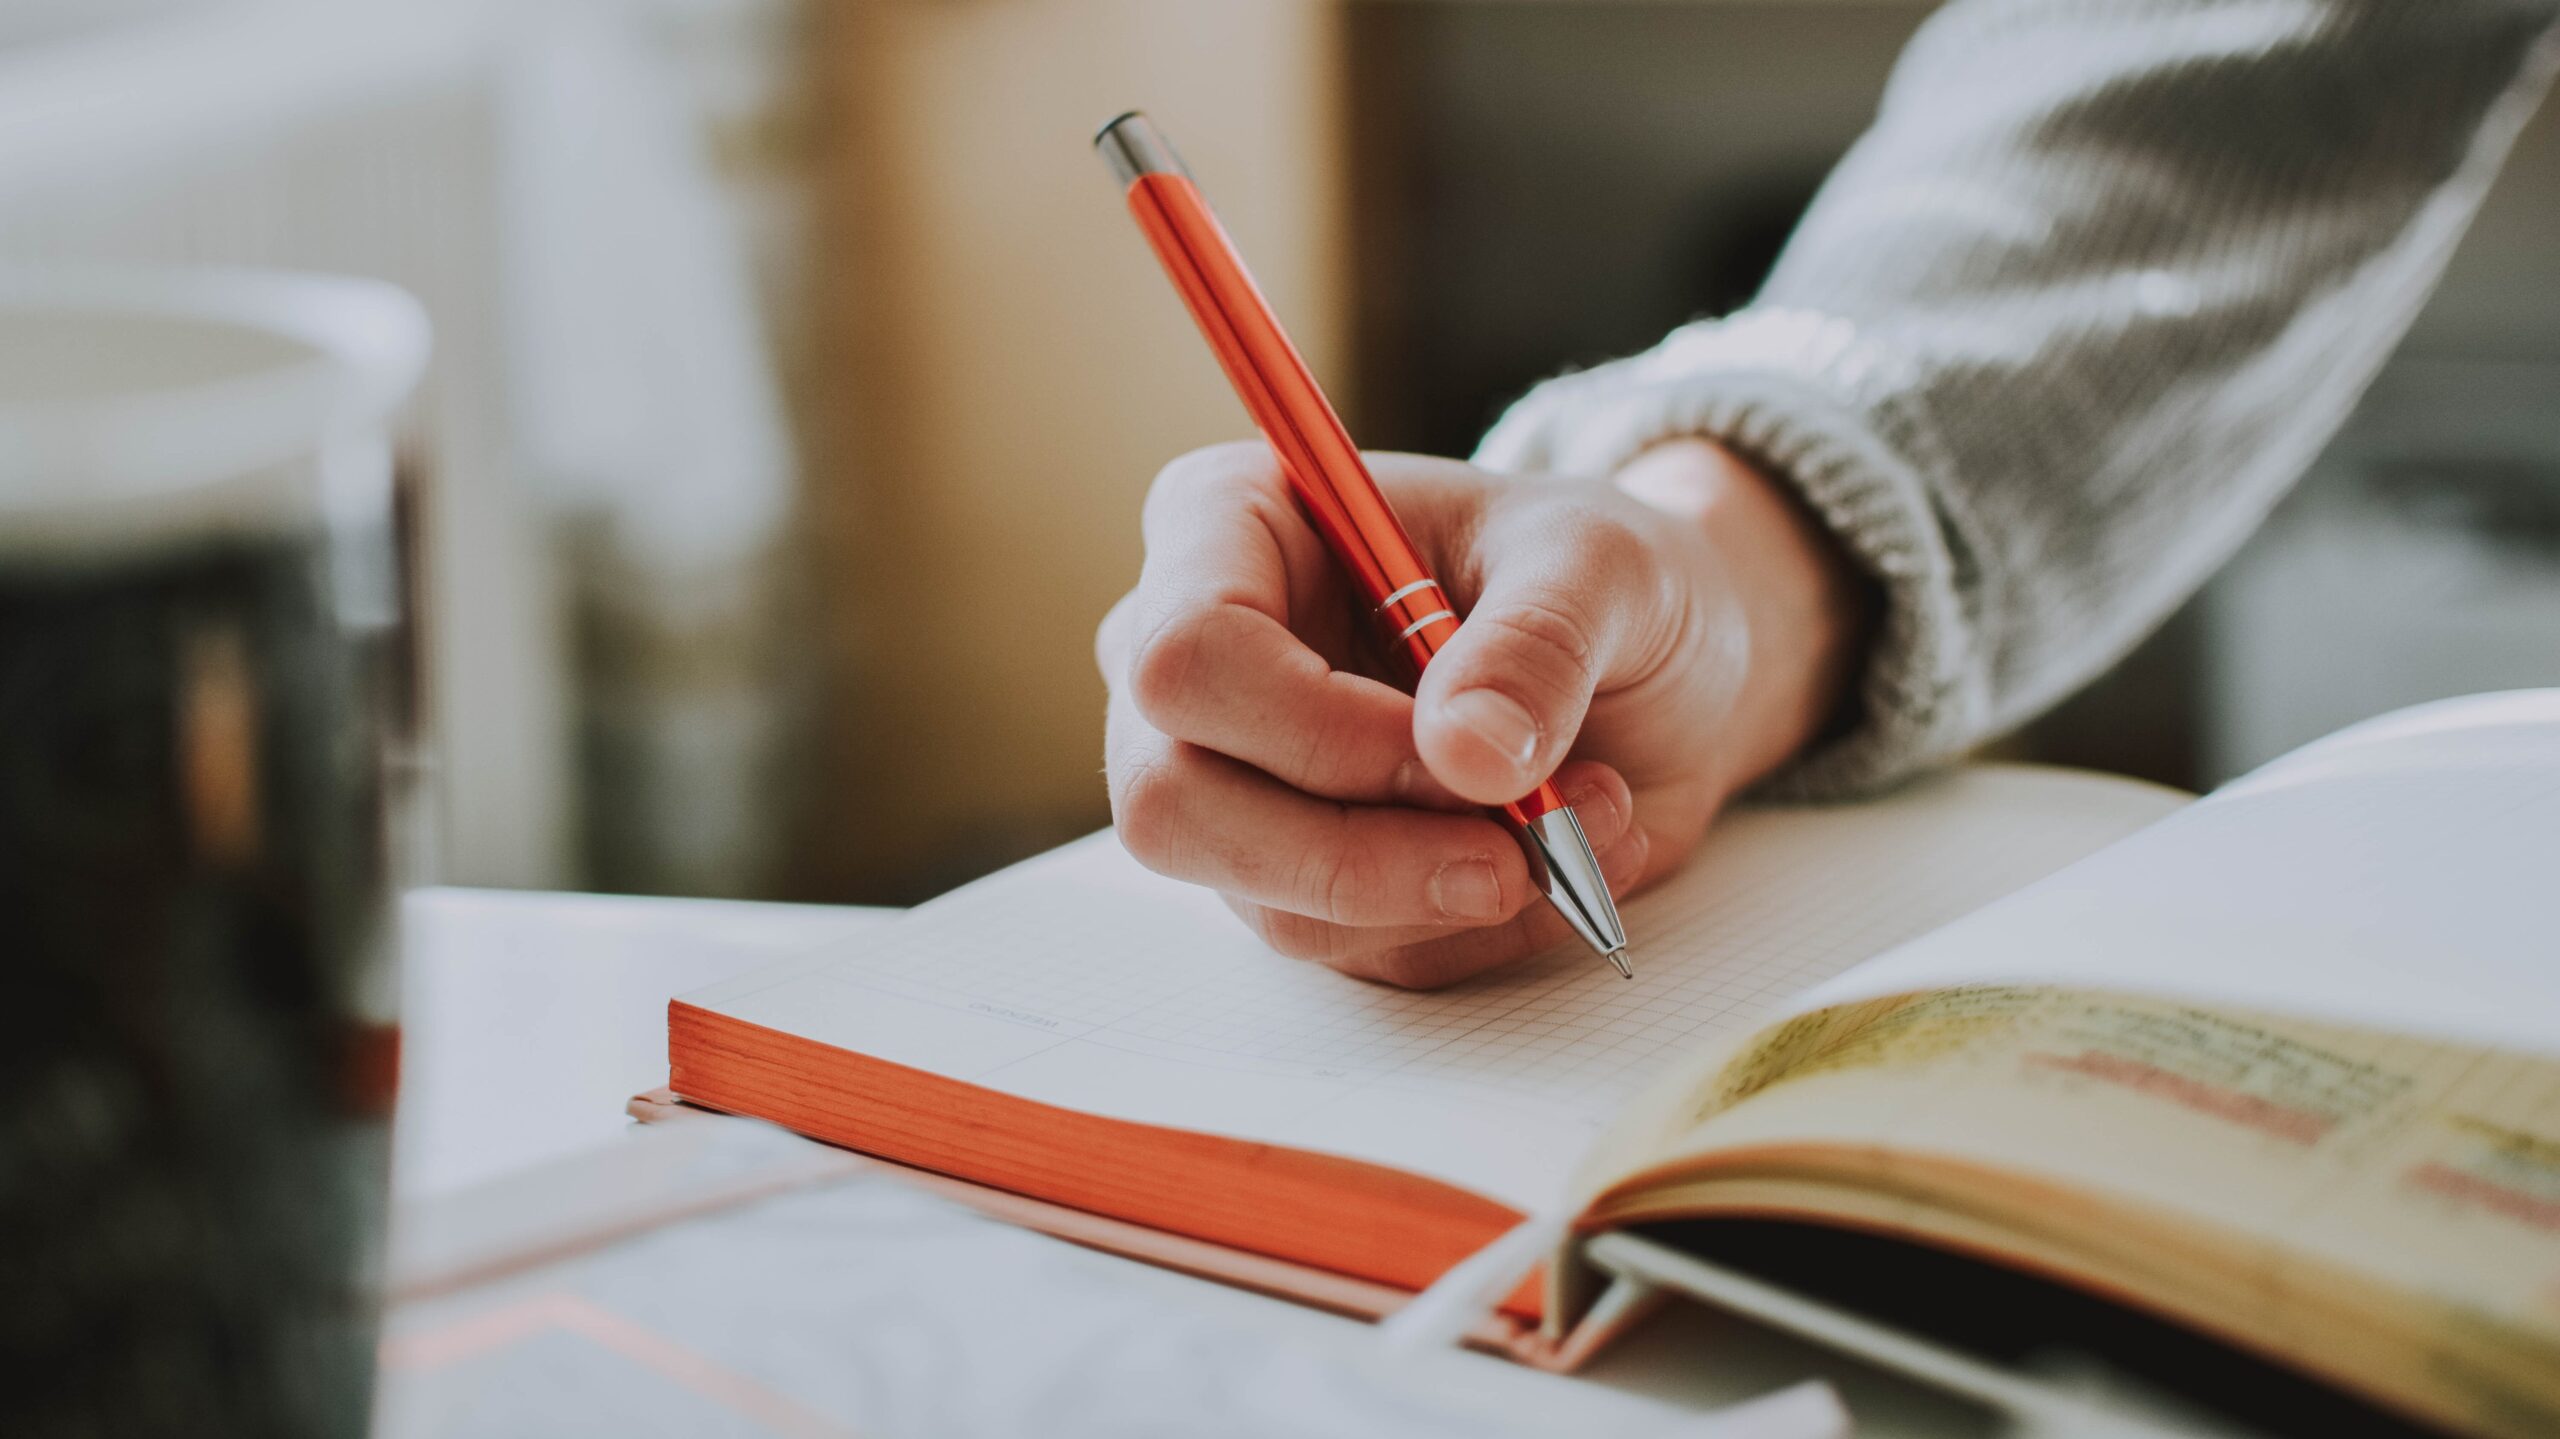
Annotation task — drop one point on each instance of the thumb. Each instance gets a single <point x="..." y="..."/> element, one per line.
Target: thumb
<point x="1500" y="705"/>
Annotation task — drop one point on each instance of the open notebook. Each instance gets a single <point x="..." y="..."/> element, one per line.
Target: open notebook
<point x="2087" y="1078"/>
<point x="1081" y="981"/>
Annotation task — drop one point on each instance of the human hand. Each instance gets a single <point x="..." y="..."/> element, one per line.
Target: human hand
<point x="1656" y="646"/>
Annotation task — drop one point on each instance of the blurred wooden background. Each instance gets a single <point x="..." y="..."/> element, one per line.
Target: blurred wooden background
<point x="1000" y="371"/>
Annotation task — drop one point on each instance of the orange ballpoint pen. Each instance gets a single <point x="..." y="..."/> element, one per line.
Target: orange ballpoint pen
<point x="1334" y="487"/>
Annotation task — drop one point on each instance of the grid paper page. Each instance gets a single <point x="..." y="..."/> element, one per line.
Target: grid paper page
<point x="1080" y="980"/>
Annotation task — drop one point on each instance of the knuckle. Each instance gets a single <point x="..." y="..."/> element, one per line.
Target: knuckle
<point x="1542" y="647"/>
<point x="1146" y="806"/>
<point x="1338" y="881"/>
<point x="1545" y="629"/>
<point x="1189" y="470"/>
<point x="1606" y="544"/>
<point x="1328" y="756"/>
<point x="1161" y="665"/>
<point x="1210" y="469"/>
<point x="1311" y="762"/>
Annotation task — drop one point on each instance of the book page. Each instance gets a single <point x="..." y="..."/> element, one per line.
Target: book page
<point x="1080" y="980"/>
<point x="2402" y="875"/>
<point x="2299" y="1182"/>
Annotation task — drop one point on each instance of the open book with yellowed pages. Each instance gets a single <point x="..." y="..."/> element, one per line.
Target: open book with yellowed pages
<point x="2280" y="1066"/>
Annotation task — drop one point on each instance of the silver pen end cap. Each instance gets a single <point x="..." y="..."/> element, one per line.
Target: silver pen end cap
<point x="1132" y="146"/>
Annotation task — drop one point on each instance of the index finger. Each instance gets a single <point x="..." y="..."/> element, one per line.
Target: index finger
<point x="1220" y="528"/>
<point x="1207" y="651"/>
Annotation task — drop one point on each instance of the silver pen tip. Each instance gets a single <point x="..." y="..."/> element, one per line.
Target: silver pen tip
<point x="1618" y="958"/>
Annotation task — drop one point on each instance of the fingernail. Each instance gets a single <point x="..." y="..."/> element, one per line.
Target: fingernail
<point x="1468" y="889"/>
<point x="1598" y="813"/>
<point x="1498" y="720"/>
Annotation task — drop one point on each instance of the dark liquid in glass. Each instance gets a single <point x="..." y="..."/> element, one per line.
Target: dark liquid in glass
<point x="195" y="1055"/>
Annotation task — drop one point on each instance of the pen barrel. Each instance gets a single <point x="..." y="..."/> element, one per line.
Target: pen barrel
<point x="1414" y="622"/>
<point x="1545" y="799"/>
<point x="1415" y="617"/>
<point x="1316" y="454"/>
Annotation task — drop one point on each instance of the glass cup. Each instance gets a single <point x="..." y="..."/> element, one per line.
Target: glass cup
<point x="198" y="629"/>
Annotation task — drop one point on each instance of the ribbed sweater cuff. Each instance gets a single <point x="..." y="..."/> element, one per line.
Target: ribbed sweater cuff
<point x="1805" y="397"/>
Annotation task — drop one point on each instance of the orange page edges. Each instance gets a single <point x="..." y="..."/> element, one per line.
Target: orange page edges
<point x="1343" y="1215"/>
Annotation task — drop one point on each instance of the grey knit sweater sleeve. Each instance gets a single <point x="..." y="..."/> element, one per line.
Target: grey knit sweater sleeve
<point x="2096" y="287"/>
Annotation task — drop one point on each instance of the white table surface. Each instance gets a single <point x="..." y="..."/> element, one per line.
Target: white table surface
<point x="529" y="1018"/>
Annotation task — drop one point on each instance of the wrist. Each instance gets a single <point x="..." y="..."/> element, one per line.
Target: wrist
<point x="1805" y="609"/>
